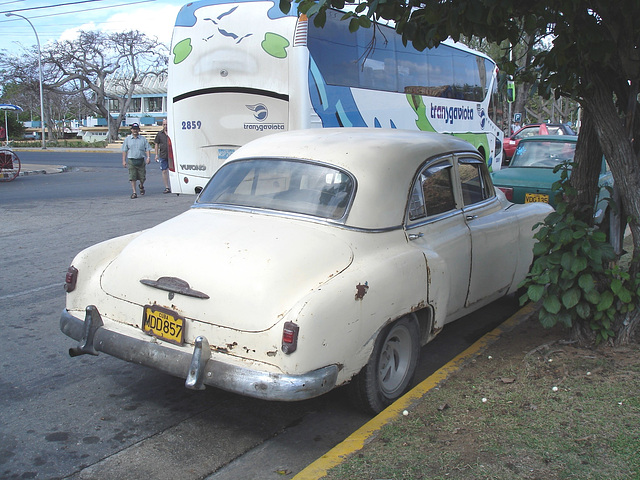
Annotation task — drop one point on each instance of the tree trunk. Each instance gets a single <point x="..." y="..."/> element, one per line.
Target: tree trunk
<point x="522" y="95"/>
<point x="114" y="129"/>
<point x="618" y="150"/>
<point x="582" y="334"/>
<point x="585" y="174"/>
<point x="627" y="331"/>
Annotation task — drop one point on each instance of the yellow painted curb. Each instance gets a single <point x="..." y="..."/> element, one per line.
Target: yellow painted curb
<point x="357" y="439"/>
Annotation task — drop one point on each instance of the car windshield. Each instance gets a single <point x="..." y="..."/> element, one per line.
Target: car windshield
<point x="543" y="154"/>
<point x="283" y="185"/>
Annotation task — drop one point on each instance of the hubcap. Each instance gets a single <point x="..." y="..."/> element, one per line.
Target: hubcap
<point x="394" y="359"/>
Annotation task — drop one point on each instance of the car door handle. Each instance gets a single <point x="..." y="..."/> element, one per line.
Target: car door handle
<point x="472" y="217"/>
<point x="415" y="236"/>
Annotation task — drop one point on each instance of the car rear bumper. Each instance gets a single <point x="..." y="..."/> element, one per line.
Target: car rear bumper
<point x="197" y="368"/>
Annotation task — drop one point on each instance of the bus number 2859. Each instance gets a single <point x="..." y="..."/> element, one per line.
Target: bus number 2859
<point x="191" y="125"/>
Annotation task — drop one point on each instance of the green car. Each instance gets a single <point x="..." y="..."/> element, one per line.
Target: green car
<point x="530" y="175"/>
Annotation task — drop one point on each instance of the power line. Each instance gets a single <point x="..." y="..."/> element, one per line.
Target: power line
<point x="52" y="6"/>
<point x="126" y="4"/>
<point x="53" y="29"/>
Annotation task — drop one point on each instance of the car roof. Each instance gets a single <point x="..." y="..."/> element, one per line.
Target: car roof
<point x="529" y="125"/>
<point x="383" y="162"/>
<point x="549" y="124"/>
<point x="551" y="138"/>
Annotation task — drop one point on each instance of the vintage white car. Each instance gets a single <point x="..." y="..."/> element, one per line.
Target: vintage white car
<point x="311" y="259"/>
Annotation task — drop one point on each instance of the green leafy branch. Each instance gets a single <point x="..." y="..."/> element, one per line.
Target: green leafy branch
<point x="571" y="274"/>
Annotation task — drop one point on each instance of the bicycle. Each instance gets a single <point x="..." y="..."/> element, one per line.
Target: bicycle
<point x="9" y="164"/>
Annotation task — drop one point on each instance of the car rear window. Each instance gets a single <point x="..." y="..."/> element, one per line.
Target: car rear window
<point x="282" y="185"/>
<point x="543" y="154"/>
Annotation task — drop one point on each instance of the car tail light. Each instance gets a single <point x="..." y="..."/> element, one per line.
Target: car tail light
<point x="508" y="192"/>
<point x="70" y="279"/>
<point x="290" y="337"/>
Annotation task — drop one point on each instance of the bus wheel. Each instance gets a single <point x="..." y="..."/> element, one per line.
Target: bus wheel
<point x="390" y="369"/>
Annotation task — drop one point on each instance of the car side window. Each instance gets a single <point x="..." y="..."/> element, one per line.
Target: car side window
<point x="432" y="192"/>
<point x="474" y="181"/>
<point x="527" y="132"/>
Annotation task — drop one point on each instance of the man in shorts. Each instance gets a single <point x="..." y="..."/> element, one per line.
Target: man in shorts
<point x="134" y="150"/>
<point x="162" y="154"/>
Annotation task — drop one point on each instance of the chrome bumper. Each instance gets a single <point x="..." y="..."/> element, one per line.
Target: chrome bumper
<point x="197" y="368"/>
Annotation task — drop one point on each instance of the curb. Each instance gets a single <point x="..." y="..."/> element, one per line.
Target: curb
<point x="357" y="440"/>
<point x="38" y="170"/>
<point x="29" y="170"/>
<point x="68" y="149"/>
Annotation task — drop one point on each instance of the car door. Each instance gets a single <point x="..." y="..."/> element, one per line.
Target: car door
<point x="494" y="235"/>
<point x="436" y="226"/>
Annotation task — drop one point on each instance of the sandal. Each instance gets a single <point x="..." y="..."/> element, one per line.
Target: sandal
<point x="141" y="190"/>
<point x="166" y="190"/>
<point x="133" y="195"/>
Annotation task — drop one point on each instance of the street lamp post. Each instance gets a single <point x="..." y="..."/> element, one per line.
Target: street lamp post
<point x="44" y="145"/>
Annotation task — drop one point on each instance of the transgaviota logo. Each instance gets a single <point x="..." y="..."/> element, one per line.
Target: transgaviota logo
<point x="259" y="110"/>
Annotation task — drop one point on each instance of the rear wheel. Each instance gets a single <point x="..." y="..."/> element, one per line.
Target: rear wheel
<point x="390" y="370"/>
<point x="9" y="165"/>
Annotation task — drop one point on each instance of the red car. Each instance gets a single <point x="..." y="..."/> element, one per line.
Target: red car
<point x="511" y="143"/>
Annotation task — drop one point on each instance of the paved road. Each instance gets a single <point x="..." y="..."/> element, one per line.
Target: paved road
<point x="99" y="417"/>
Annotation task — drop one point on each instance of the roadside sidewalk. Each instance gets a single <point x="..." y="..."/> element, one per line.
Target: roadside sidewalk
<point x="34" y="169"/>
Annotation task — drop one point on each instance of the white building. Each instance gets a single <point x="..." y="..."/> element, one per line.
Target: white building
<point x="148" y="105"/>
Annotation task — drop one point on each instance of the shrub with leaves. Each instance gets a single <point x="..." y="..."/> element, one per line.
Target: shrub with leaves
<point x="573" y="272"/>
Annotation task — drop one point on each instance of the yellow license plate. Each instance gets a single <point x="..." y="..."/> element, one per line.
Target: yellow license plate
<point x="536" y="197"/>
<point x="163" y="323"/>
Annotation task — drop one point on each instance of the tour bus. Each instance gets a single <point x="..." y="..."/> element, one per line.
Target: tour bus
<point x="242" y="69"/>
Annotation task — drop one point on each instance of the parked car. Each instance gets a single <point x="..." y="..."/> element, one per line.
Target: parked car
<point x="530" y="175"/>
<point x="511" y="143"/>
<point x="310" y="260"/>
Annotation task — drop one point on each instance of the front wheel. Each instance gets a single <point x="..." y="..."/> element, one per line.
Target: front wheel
<point x="389" y="372"/>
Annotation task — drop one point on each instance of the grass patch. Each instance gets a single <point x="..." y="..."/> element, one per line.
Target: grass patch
<point x="587" y="427"/>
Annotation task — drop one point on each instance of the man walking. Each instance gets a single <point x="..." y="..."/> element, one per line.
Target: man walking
<point x="162" y="154"/>
<point x="134" y="150"/>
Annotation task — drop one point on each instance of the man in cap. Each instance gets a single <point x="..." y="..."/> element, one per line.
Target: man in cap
<point x="134" y="150"/>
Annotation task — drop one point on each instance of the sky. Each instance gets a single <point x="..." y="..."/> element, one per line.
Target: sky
<point x="62" y="19"/>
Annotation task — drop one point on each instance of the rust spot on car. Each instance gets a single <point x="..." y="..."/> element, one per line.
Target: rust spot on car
<point x="417" y="307"/>
<point x="272" y="354"/>
<point x="231" y="345"/>
<point x="361" y="290"/>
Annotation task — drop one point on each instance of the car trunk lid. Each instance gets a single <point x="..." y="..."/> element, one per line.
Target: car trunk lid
<point x="230" y="269"/>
